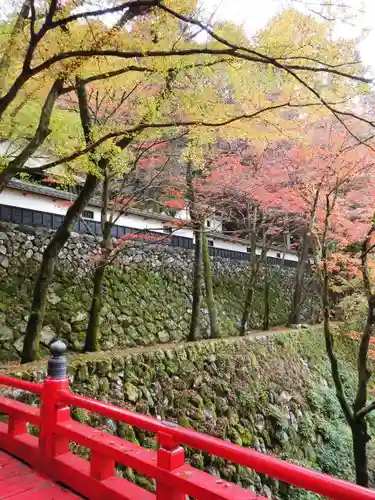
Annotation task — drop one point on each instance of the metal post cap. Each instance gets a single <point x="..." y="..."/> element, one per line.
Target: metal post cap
<point x="58" y="348"/>
<point x="57" y="366"/>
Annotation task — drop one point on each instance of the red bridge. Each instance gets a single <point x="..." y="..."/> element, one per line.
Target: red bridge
<point x="51" y="464"/>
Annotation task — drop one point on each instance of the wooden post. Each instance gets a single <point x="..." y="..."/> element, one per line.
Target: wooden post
<point x="51" y="411"/>
<point x="170" y="456"/>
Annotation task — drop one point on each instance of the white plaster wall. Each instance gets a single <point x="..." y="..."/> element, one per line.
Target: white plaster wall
<point x="183" y="214"/>
<point x="43" y="203"/>
<point x="291" y="256"/>
<point x="215" y="222"/>
<point x="139" y="222"/>
<point x="186" y="233"/>
<point x="240" y="247"/>
<point x="230" y="245"/>
<point x="33" y="201"/>
<point x="215" y="225"/>
<point x="287" y="256"/>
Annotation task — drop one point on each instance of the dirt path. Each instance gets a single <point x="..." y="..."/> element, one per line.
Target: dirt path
<point x="12" y="366"/>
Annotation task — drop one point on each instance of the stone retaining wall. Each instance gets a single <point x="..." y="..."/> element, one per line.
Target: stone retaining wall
<point x="272" y="394"/>
<point x="147" y="293"/>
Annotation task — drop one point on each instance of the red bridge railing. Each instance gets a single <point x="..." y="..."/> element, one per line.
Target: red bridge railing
<point x="96" y="479"/>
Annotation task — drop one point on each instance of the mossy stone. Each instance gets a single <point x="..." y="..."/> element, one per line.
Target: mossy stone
<point x="131" y="392"/>
<point x="126" y="432"/>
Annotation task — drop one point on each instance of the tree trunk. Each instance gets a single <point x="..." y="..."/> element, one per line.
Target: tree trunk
<point x="197" y="269"/>
<point x="295" y="315"/>
<point x="197" y="287"/>
<point x="247" y="307"/>
<point x="212" y="312"/>
<point x="93" y="328"/>
<point x="32" y="337"/>
<point x="329" y="343"/>
<point x="31" y="344"/>
<point x="266" y="317"/>
<point x="328" y="337"/>
<point x="254" y="268"/>
<point x="359" y="424"/>
<point x="360" y="440"/>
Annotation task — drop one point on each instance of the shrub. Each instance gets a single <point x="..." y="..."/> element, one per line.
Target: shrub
<point x="354" y="309"/>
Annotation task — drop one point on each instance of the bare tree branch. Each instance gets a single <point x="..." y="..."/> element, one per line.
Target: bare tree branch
<point x="132" y="5"/>
<point x="143" y="126"/>
<point x="40" y="135"/>
<point x="239" y="50"/>
<point x="363" y="412"/>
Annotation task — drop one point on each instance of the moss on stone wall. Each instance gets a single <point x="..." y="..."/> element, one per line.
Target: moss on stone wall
<point x="147" y="296"/>
<point x="272" y="394"/>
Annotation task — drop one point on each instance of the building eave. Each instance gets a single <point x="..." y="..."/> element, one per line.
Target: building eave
<point x="64" y="195"/>
<point x="241" y="241"/>
<point x="95" y="202"/>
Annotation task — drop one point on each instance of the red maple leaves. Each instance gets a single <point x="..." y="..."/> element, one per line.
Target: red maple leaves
<point x="126" y="238"/>
<point x="175" y="204"/>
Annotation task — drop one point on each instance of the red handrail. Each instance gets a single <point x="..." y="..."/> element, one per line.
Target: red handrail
<point x="295" y="475"/>
<point x="174" y="478"/>
<point x="17" y="383"/>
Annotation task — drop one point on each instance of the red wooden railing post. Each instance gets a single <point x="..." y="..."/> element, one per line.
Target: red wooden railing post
<point x="17" y="426"/>
<point x="52" y="411"/>
<point x="101" y="467"/>
<point x="170" y="456"/>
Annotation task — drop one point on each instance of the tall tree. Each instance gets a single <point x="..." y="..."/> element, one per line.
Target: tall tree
<point x="266" y="312"/>
<point x="188" y="197"/>
<point x="209" y="288"/>
<point x="357" y="411"/>
<point x="118" y="195"/>
<point x="119" y="107"/>
<point x="304" y="170"/>
<point x="330" y="180"/>
<point x="30" y="350"/>
<point x="295" y="317"/>
<point x="53" y="40"/>
<point x="197" y="268"/>
<point x="243" y="187"/>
